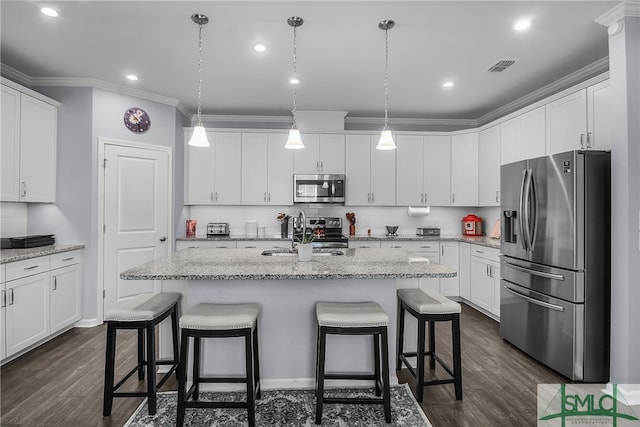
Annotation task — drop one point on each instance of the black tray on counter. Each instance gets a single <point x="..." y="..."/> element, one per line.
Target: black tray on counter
<point x="31" y="241"/>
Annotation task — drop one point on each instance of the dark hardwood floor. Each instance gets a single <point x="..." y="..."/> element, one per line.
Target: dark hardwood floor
<point x="60" y="383"/>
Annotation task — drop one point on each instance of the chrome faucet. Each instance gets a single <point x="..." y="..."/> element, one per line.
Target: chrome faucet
<point x="302" y="222"/>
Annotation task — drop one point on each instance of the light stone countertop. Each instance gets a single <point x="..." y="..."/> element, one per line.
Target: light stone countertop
<point x="12" y="255"/>
<point x="480" y="240"/>
<point x="249" y="264"/>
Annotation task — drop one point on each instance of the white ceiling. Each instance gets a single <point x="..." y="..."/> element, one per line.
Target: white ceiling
<point x="340" y="51"/>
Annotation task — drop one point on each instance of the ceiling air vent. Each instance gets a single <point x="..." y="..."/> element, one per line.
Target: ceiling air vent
<point x="501" y="65"/>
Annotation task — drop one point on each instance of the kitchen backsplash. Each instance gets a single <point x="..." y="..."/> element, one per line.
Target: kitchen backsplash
<point x="13" y="219"/>
<point x="448" y="219"/>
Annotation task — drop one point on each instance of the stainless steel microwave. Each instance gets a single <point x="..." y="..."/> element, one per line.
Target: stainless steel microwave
<point x="318" y="188"/>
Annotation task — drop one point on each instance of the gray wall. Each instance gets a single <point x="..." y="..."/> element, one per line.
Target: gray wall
<point x="87" y="114"/>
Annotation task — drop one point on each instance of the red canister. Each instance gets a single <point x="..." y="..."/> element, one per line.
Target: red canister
<point x="472" y="225"/>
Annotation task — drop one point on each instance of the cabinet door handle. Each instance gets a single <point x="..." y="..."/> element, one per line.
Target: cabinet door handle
<point x="4" y="299"/>
<point x="582" y="141"/>
<point x="426" y="198"/>
<point x="55" y="283"/>
<point x="442" y="250"/>
<point x="24" y="188"/>
<point x="425" y="247"/>
<point x="396" y="247"/>
<point x="11" y="300"/>
<point x="216" y="198"/>
<point x="453" y="198"/>
<point x="368" y="197"/>
<point x="488" y="270"/>
<point x="212" y="196"/>
<point x="318" y="166"/>
<point x="497" y="196"/>
<point x="250" y="247"/>
<point x="269" y="197"/>
<point x="163" y="239"/>
<point x="67" y="259"/>
<point x="321" y="165"/>
<point x="373" y="197"/>
<point x="421" y="198"/>
<point x="588" y="139"/>
<point x="31" y="267"/>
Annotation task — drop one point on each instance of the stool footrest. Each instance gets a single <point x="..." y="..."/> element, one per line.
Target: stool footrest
<point x="347" y="376"/>
<point x="206" y="404"/>
<point x="217" y="380"/>
<point x="361" y="400"/>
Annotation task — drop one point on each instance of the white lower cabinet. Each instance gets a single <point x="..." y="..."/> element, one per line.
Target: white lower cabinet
<point x="464" y="272"/>
<point x="208" y="244"/>
<point x="449" y="257"/>
<point x="27" y="312"/>
<point x="485" y="278"/>
<point x="264" y="244"/>
<point x="429" y="250"/>
<point x="40" y="297"/>
<point x="66" y="281"/>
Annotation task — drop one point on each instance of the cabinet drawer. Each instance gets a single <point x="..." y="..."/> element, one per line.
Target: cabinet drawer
<point x="485" y="252"/>
<point x="412" y="246"/>
<point x="65" y="258"/>
<point x="27" y="267"/>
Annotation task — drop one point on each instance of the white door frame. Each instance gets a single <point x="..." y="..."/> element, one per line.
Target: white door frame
<point x="102" y="142"/>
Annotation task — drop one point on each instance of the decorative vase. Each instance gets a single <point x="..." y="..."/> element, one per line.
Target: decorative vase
<point x="304" y="251"/>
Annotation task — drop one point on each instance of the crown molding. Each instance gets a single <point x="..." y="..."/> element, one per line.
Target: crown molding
<point x="630" y="8"/>
<point x="410" y="121"/>
<point x="598" y="67"/>
<point x="15" y="75"/>
<point x="230" y="118"/>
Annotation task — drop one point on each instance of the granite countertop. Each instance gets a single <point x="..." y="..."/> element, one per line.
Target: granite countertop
<point x="249" y="264"/>
<point x="480" y="240"/>
<point x="11" y="255"/>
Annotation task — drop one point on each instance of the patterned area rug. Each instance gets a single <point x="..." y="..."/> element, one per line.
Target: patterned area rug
<point x="287" y="408"/>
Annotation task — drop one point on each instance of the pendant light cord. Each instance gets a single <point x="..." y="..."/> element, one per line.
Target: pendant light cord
<point x="295" y="75"/>
<point x="386" y="79"/>
<point x="200" y="75"/>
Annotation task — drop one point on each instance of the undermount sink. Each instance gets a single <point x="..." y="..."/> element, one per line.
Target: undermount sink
<point x="294" y="252"/>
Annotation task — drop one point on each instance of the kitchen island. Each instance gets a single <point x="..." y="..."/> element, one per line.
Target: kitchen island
<point x="287" y="291"/>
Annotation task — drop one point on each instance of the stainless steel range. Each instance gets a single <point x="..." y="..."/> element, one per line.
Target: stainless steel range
<point x="326" y="230"/>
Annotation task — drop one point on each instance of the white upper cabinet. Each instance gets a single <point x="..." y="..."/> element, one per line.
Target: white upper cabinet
<point x="29" y="133"/>
<point x="599" y="116"/>
<point x="489" y="167"/>
<point x="213" y="174"/>
<point x="410" y="170"/>
<point x="322" y="154"/>
<point x="437" y="170"/>
<point x="423" y="170"/>
<point x="464" y="169"/>
<point x="580" y="121"/>
<point x="523" y="137"/>
<point x="371" y="173"/>
<point x="267" y="170"/>
<point x="567" y="123"/>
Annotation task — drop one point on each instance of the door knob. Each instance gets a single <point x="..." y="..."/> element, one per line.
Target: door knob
<point x="163" y="239"/>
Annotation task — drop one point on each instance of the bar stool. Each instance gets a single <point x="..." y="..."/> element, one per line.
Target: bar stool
<point x="219" y="321"/>
<point x="429" y="306"/>
<point x="360" y="318"/>
<point x="143" y="312"/>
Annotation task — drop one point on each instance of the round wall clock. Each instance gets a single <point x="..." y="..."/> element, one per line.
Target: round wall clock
<point x="136" y="120"/>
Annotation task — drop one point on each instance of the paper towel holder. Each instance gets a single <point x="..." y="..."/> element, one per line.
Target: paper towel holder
<point x="418" y="211"/>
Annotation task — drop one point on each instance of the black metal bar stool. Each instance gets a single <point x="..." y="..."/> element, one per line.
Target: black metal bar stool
<point x="143" y="312"/>
<point x="219" y="321"/>
<point x="428" y="306"/>
<point x="360" y="318"/>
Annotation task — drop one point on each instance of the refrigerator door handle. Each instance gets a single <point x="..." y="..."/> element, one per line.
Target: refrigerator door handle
<point x="535" y="301"/>
<point x="533" y="192"/>
<point x="535" y="272"/>
<point x="521" y="218"/>
<point x="526" y="217"/>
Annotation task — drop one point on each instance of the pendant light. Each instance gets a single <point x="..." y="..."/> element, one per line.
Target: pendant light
<point x="199" y="136"/>
<point x="294" y="142"/>
<point x="386" y="139"/>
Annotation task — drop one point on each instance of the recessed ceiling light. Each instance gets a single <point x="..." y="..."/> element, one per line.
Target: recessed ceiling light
<point x="447" y="84"/>
<point x="294" y="81"/>
<point x="49" y="12"/>
<point x="259" y="47"/>
<point x="132" y="77"/>
<point x="522" y="24"/>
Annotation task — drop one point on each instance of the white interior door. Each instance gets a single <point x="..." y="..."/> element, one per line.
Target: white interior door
<point x="137" y="206"/>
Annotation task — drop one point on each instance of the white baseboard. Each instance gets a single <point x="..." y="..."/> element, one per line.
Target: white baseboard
<point x="87" y="323"/>
<point x="295" y="383"/>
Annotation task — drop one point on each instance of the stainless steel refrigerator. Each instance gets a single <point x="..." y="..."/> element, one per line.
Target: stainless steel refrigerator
<point x="555" y="266"/>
